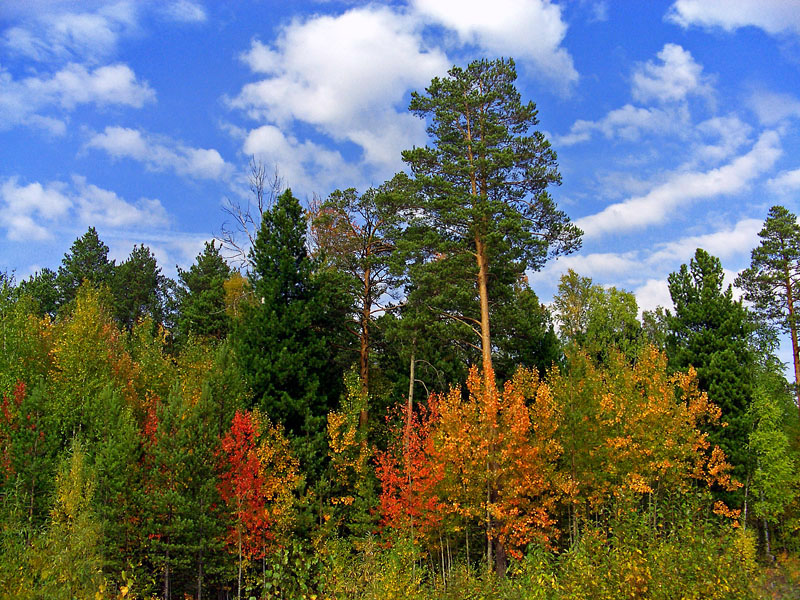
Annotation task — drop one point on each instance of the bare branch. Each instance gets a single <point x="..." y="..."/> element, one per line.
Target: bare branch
<point x="238" y="234"/>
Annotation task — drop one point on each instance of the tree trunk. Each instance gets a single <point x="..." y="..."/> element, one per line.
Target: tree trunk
<point x="166" y="577"/>
<point x="409" y="404"/>
<point x="767" y="545"/>
<point x="500" y="558"/>
<point x="363" y="416"/>
<point x="488" y="524"/>
<point x="200" y="578"/>
<point x="483" y="291"/>
<point x="793" y="332"/>
<point x="239" y="592"/>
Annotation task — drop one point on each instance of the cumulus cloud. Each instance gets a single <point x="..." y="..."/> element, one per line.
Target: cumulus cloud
<point x="21" y="100"/>
<point x="773" y="16"/>
<point x="725" y="243"/>
<point x="97" y="206"/>
<point x="55" y="32"/>
<point x="161" y="154"/>
<point x="674" y="78"/>
<point x="652" y="294"/>
<point x="345" y="75"/>
<point x="29" y="209"/>
<point x="300" y="162"/>
<point x="600" y="264"/>
<point x="32" y="211"/>
<point x="785" y="182"/>
<point x="773" y="107"/>
<point x="666" y="85"/>
<point x="646" y="269"/>
<point x="682" y="188"/>
<point x="506" y="27"/>
<point x="348" y="75"/>
<point x="730" y="133"/>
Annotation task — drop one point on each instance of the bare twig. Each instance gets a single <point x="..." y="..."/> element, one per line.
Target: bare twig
<point x="238" y="233"/>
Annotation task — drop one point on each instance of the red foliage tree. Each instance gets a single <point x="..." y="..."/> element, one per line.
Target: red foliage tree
<point x="243" y="488"/>
<point x="410" y="472"/>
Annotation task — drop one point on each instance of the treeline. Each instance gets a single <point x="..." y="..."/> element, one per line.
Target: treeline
<point x="377" y="405"/>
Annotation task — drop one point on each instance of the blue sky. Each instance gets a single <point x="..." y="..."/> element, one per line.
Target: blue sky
<point x="676" y="123"/>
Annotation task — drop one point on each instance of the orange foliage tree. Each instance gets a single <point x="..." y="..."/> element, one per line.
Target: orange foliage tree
<point x="487" y="457"/>
<point x="410" y="475"/>
<point x="499" y="454"/>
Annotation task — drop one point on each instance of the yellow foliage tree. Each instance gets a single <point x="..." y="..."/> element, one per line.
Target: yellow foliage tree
<point x="633" y="433"/>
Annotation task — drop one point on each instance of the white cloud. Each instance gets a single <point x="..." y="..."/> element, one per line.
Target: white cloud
<point x="63" y="35"/>
<point x="31" y="212"/>
<point x="725" y="243"/>
<point x="646" y="269"/>
<point x="170" y="247"/>
<point x="28" y="209"/>
<point x="628" y="123"/>
<point x="160" y="154"/>
<point x="675" y="78"/>
<point x="51" y="125"/>
<point x="345" y="75"/>
<point x="21" y="100"/>
<point x="667" y="83"/>
<point x="682" y="188"/>
<point x="184" y="11"/>
<point x="773" y="107"/>
<point x="531" y="30"/>
<point x="731" y="134"/>
<point x="600" y="12"/>
<point x="600" y="264"/>
<point x="785" y="182"/>
<point x="111" y="84"/>
<point x="652" y="294"/>
<point x="97" y="206"/>
<point x="301" y="164"/>
<point x="773" y="16"/>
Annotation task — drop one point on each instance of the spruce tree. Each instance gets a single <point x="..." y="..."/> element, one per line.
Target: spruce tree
<point x="712" y="332"/>
<point x="139" y="289"/>
<point x="284" y="339"/>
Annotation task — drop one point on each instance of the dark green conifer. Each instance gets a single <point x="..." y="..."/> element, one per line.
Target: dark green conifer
<point x="202" y="295"/>
<point x="712" y="332"/>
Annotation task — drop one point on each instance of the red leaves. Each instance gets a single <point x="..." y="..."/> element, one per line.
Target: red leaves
<point x="410" y="473"/>
<point x="242" y="485"/>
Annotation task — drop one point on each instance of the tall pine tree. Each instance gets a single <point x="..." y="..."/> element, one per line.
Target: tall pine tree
<point x="772" y="283"/>
<point x="87" y="259"/>
<point x="481" y="214"/>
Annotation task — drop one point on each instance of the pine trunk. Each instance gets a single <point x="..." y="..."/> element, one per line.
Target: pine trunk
<point x="790" y="300"/>
<point x="409" y="404"/>
<point x="483" y="292"/>
<point x="363" y="416"/>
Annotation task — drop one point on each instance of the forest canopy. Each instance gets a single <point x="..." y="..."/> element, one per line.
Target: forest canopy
<point x="378" y="405"/>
